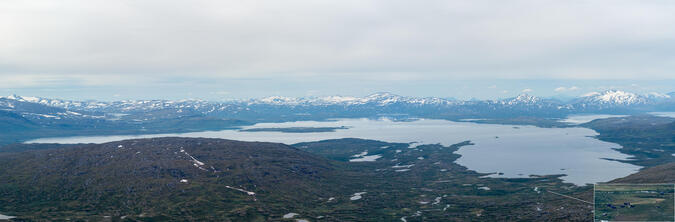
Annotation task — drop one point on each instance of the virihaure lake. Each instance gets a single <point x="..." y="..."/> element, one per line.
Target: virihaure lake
<point x="514" y="151"/>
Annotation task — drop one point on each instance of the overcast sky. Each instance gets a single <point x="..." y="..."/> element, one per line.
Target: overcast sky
<point x="90" y="49"/>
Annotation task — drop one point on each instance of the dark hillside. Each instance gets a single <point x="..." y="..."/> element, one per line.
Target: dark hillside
<point x="198" y="179"/>
<point x="659" y="174"/>
<point x="143" y="177"/>
<point x="650" y="139"/>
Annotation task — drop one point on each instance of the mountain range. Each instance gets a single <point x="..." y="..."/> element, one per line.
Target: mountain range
<point x="28" y="117"/>
<point x="607" y="101"/>
<point x="201" y="179"/>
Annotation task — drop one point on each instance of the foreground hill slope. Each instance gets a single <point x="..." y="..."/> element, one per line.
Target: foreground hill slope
<point x="194" y="179"/>
<point x="197" y="179"/>
<point x="659" y="174"/>
<point x="650" y="139"/>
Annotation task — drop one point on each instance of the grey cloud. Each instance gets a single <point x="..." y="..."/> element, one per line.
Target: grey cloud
<point x="392" y="40"/>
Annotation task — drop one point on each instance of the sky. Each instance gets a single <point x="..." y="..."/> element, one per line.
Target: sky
<point x="215" y="50"/>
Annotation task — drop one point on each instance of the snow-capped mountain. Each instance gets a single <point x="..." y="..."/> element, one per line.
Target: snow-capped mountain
<point x="55" y="117"/>
<point x="34" y="108"/>
<point x="141" y="107"/>
<point x="276" y="107"/>
<point x="79" y="105"/>
<point x="522" y="99"/>
<point x="614" y="97"/>
<point x="379" y="99"/>
<point x="660" y="97"/>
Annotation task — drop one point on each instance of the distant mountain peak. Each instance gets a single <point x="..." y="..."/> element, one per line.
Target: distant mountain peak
<point x="590" y="94"/>
<point x="380" y="99"/>
<point x="523" y="98"/>
<point x="279" y="100"/>
<point x="377" y="102"/>
<point x="658" y="95"/>
<point x="384" y="98"/>
<point x="382" y="94"/>
<point x="23" y="98"/>
<point x="616" y="97"/>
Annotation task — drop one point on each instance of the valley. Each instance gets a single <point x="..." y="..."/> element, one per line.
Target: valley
<point x="156" y="165"/>
<point x="26" y="118"/>
<point x="313" y="111"/>
<point x="570" y="150"/>
<point x="151" y="179"/>
<point x="162" y="178"/>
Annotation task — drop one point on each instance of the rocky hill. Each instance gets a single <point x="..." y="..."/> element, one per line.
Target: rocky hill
<point x="187" y="178"/>
<point x="196" y="179"/>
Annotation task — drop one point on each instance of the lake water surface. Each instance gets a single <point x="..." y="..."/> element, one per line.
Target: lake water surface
<point x="585" y="118"/>
<point x="4" y="217"/>
<point x="515" y="151"/>
<point x="664" y="114"/>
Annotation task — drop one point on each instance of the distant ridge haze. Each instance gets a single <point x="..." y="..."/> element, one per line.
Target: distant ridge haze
<point x="216" y="89"/>
<point x="610" y="101"/>
<point x="383" y="98"/>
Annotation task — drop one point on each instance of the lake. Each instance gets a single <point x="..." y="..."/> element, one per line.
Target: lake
<point x="663" y="114"/>
<point x="585" y="118"/>
<point x="515" y="151"/>
<point x="5" y="217"/>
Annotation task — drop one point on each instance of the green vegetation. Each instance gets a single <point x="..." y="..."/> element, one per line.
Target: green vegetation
<point x="19" y="131"/>
<point x="546" y="122"/>
<point x="141" y="180"/>
<point x="650" y="139"/>
<point x="634" y="202"/>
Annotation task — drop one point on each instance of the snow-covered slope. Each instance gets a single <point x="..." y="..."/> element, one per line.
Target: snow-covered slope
<point x="379" y="99"/>
<point x="346" y="106"/>
<point x="614" y="97"/>
<point x="39" y="109"/>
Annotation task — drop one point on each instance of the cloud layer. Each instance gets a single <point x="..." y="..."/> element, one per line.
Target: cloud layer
<point x="100" y="42"/>
<point x="566" y="89"/>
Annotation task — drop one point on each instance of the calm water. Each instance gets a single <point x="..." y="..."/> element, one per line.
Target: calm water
<point x="516" y="151"/>
<point x="664" y="114"/>
<point x="584" y="118"/>
<point x="4" y="217"/>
